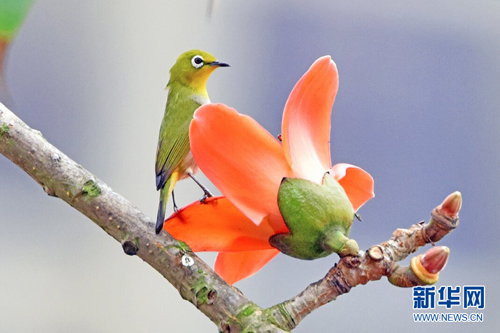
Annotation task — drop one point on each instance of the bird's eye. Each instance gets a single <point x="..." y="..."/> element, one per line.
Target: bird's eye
<point x="197" y="61"/>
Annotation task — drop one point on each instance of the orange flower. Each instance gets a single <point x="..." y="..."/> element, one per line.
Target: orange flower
<point x="247" y="164"/>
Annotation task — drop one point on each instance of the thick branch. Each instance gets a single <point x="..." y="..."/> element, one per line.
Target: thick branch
<point x="63" y="178"/>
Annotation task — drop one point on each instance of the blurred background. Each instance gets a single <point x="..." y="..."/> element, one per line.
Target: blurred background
<point x="418" y="107"/>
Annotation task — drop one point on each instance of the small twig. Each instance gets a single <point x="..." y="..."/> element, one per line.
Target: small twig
<point x="378" y="261"/>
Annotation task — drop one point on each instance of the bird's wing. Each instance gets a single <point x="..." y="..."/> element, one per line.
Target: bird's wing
<point x="173" y="143"/>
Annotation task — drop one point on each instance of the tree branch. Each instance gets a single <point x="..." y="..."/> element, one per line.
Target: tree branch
<point x="61" y="177"/>
<point x="225" y="305"/>
<point x="378" y="261"/>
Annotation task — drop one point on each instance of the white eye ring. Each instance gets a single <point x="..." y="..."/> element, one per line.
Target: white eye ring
<point x="197" y="61"/>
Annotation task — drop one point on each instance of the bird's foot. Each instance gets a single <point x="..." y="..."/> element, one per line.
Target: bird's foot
<point x="207" y="194"/>
<point x="174" y="203"/>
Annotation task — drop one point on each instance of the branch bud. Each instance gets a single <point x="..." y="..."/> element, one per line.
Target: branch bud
<point x="427" y="266"/>
<point x="451" y="205"/>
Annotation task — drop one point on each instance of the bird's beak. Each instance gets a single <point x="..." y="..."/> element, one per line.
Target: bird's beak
<point x="217" y="63"/>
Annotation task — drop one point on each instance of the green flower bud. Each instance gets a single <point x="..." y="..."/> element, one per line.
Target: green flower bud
<point x="318" y="218"/>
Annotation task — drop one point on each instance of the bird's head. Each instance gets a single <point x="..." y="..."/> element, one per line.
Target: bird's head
<point x="193" y="68"/>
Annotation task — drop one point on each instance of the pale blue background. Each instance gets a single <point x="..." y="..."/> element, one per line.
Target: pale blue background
<point x="418" y="107"/>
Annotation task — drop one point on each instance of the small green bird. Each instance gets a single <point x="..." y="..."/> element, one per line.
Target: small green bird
<point x="186" y="92"/>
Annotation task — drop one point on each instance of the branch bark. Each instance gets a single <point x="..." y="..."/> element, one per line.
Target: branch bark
<point x="62" y="177"/>
<point x="225" y="305"/>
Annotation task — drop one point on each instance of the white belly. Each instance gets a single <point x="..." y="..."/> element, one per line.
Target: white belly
<point x="188" y="165"/>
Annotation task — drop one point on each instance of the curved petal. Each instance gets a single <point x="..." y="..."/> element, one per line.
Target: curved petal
<point x="357" y="183"/>
<point x="236" y="266"/>
<point x="241" y="158"/>
<point x="306" y="120"/>
<point x="217" y="225"/>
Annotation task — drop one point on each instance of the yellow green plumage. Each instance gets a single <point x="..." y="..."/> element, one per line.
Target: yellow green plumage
<point x="186" y="92"/>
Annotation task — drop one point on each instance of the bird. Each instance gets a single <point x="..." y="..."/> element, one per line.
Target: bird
<point x="186" y="92"/>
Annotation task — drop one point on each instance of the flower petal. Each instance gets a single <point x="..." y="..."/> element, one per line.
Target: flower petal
<point x="306" y="120"/>
<point x="236" y="266"/>
<point x="357" y="183"/>
<point x="241" y="158"/>
<point x="217" y="225"/>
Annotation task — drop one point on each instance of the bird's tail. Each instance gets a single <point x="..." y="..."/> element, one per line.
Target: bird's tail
<point x="165" y="193"/>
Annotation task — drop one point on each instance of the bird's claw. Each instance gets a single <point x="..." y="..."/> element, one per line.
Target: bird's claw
<point x="206" y="196"/>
